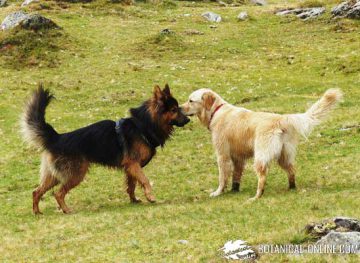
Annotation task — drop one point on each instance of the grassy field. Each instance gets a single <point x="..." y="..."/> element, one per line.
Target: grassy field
<point x="108" y="59"/>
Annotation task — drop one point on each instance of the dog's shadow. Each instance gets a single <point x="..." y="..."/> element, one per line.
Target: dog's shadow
<point x="82" y="207"/>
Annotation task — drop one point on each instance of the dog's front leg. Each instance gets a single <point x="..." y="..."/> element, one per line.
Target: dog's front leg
<point x="134" y="170"/>
<point x="225" y="167"/>
<point x="131" y="185"/>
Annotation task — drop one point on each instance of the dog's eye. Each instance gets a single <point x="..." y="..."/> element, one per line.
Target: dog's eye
<point x="191" y="101"/>
<point x="174" y="110"/>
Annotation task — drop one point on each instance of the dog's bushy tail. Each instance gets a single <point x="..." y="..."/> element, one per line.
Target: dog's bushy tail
<point x="304" y="123"/>
<point x="34" y="128"/>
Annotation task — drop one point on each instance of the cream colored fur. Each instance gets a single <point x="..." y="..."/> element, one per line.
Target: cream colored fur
<point x="239" y="134"/>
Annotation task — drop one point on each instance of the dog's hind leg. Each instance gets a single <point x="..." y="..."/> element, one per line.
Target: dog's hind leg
<point x="286" y="162"/>
<point x="131" y="185"/>
<point x="267" y="148"/>
<point x="47" y="181"/>
<point x="237" y="174"/>
<point x="75" y="175"/>
<point x="261" y="170"/>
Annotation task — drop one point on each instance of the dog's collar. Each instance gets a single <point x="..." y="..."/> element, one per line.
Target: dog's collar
<point x="148" y="136"/>
<point x="212" y="114"/>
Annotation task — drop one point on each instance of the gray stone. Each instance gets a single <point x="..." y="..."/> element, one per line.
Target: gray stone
<point x="243" y="16"/>
<point x="13" y="20"/>
<point x="166" y="31"/>
<point x="212" y="17"/>
<point x="27" y="2"/>
<point x="303" y="13"/>
<point x="350" y="9"/>
<point x="259" y="2"/>
<point x="354" y="12"/>
<point x="183" y="241"/>
<point x="3" y="3"/>
<point x="223" y="4"/>
<point x="27" y="21"/>
<point x="346" y="240"/>
<point x="37" y="22"/>
<point x="349" y="223"/>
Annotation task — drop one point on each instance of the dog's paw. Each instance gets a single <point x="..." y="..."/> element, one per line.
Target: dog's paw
<point x="135" y="201"/>
<point x="215" y="194"/>
<point x="150" y="198"/>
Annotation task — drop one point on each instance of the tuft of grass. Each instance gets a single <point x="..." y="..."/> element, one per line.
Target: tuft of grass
<point x="23" y="48"/>
<point x="168" y="4"/>
<point x="312" y="3"/>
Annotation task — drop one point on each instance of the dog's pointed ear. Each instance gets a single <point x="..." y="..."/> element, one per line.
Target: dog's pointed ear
<point x="157" y="92"/>
<point x="166" y="90"/>
<point x="208" y="99"/>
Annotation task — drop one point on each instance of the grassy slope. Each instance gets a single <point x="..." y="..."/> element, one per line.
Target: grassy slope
<point x="114" y="66"/>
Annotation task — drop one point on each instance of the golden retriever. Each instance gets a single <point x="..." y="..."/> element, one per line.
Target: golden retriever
<point x="239" y="134"/>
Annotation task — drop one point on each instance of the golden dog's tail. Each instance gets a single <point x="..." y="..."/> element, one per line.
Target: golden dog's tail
<point x="304" y="123"/>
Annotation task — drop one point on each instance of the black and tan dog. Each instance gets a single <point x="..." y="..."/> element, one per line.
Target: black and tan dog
<point x="128" y="144"/>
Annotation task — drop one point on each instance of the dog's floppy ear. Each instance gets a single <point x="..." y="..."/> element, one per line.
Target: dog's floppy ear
<point x="166" y="90"/>
<point x="208" y="99"/>
<point x="158" y="94"/>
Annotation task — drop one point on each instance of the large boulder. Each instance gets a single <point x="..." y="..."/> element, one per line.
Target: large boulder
<point x="302" y="13"/>
<point x="27" y="21"/>
<point x="343" y="242"/>
<point x="13" y="20"/>
<point x="37" y="22"/>
<point x="350" y="9"/>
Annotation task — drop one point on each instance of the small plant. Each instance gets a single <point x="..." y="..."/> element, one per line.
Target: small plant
<point x="311" y="3"/>
<point x="22" y="48"/>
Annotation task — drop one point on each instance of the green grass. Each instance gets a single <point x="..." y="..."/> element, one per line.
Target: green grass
<point x="269" y="63"/>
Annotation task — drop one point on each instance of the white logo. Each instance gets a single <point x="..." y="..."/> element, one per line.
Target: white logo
<point x="238" y="249"/>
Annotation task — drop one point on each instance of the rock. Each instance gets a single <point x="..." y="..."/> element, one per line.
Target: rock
<point x="349" y="9"/>
<point x="37" y="22"/>
<point x="349" y="223"/>
<point x="212" y="17"/>
<point x="183" y="241"/>
<point x="303" y="13"/>
<point x="338" y="224"/>
<point x="243" y="16"/>
<point x="193" y="32"/>
<point x="27" y="21"/>
<point x="223" y="4"/>
<point x="259" y="2"/>
<point x="311" y="13"/>
<point x="27" y="2"/>
<point x="166" y="31"/>
<point x="13" y="20"/>
<point x="348" y="242"/>
<point x="3" y="3"/>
